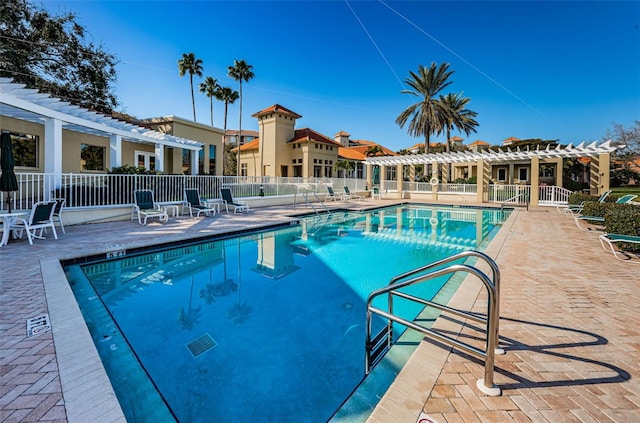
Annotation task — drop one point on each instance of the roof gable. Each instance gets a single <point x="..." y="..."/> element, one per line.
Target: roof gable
<point x="276" y="108"/>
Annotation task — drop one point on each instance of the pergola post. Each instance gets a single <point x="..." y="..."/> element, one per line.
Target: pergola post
<point x="399" y="179"/>
<point x="159" y="153"/>
<point x="482" y="180"/>
<point x="53" y="153"/>
<point x="604" y="161"/>
<point x="369" y="177"/>
<point x="115" y="151"/>
<point x="535" y="181"/>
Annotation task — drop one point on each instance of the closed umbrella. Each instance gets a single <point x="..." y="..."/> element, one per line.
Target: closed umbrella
<point x="8" y="181"/>
<point x="376" y="175"/>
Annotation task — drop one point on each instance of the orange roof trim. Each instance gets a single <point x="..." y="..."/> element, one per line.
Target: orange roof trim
<point x="276" y="108"/>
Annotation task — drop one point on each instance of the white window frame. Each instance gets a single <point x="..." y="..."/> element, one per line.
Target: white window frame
<point x="147" y="158"/>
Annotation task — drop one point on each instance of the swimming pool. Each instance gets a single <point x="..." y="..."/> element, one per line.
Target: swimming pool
<point x="261" y="327"/>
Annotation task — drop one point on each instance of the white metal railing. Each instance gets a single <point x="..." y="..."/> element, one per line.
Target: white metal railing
<point x="103" y="190"/>
<point x="552" y="195"/>
<point x="511" y="194"/>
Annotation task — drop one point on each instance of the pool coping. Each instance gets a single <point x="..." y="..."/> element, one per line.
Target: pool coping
<point x="86" y="388"/>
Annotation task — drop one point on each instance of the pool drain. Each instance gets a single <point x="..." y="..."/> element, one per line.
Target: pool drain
<point x="201" y="345"/>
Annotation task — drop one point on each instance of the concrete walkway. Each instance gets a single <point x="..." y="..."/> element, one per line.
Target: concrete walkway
<point x="569" y="325"/>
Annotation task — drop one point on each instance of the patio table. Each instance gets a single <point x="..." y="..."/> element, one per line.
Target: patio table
<point x="8" y="220"/>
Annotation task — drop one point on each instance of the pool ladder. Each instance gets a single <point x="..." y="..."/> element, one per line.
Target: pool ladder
<point x="379" y="344"/>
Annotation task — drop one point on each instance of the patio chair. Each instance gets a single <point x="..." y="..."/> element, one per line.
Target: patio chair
<point x="349" y="196"/>
<point x="57" y="212"/>
<point x="610" y="239"/>
<point x="331" y="195"/>
<point x="571" y="209"/>
<point x="194" y="204"/>
<point x="40" y="218"/>
<point x="227" y="200"/>
<point x="144" y="207"/>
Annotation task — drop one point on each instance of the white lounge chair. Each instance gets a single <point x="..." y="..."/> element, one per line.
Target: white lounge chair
<point x="194" y="204"/>
<point x="227" y="200"/>
<point x="607" y="240"/>
<point x="349" y="196"/>
<point x="145" y="207"/>
<point x="40" y="218"/>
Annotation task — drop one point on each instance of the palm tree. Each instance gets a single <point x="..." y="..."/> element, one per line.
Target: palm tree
<point x="209" y="88"/>
<point x="457" y="116"/>
<point x="228" y="96"/>
<point x="189" y="64"/>
<point x="241" y="71"/>
<point x="425" y="116"/>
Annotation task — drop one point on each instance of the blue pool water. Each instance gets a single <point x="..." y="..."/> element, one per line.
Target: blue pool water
<point x="263" y="327"/>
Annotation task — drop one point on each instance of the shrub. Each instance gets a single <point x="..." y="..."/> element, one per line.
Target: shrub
<point x="624" y="219"/>
<point x="596" y="208"/>
<point x="579" y="197"/>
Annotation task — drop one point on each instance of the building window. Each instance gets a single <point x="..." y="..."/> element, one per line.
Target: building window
<point x="502" y="174"/>
<point x="91" y="157"/>
<point x="328" y="172"/>
<point x="523" y="174"/>
<point x="391" y="173"/>
<point x="145" y="159"/>
<point x="186" y="161"/>
<point x="317" y="171"/>
<point x="212" y="160"/>
<point x="244" y="169"/>
<point x="25" y="149"/>
<point x="548" y="171"/>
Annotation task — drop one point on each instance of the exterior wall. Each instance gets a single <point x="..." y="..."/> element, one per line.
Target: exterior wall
<point x="179" y="127"/>
<point x="274" y="130"/>
<point x="71" y="142"/>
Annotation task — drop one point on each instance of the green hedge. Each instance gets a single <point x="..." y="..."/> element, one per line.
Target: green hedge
<point x="596" y="208"/>
<point x="576" y="198"/>
<point x="623" y="219"/>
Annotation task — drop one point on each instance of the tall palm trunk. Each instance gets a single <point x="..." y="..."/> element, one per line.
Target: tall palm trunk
<point x="224" y="137"/>
<point x="193" y="99"/>
<point x="239" y="132"/>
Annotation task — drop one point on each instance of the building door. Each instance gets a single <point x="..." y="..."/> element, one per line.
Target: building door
<point x="284" y="171"/>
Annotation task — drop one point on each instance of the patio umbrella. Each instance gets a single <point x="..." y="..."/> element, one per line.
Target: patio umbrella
<point x="8" y="181"/>
<point x="376" y="175"/>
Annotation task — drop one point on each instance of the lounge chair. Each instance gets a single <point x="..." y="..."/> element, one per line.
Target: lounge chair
<point x="331" y="195"/>
<point x="349" y="196"/>
<point x="144" y="207"/>
<point x="572" y="209"/>
<point x="227" y="200"/>
<point x="193" y="203"/>
<point x="376" y="193"/>
<point x="593" y="220"/>
<point x="57" y="212"/>
<point x="40" y="218"/>
<point x="607" y="240"/>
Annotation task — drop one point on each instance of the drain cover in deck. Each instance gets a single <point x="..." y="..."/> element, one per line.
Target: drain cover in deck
<point x="38" y="325"/>
<point x="201" y="345"/>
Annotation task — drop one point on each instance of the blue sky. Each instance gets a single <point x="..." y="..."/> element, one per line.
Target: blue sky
<point x="541" y="69"/>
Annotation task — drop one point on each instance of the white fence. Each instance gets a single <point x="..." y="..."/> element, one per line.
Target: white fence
<point x="105" y="190"/>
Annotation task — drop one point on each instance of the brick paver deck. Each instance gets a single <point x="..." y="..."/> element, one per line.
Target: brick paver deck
<point x="569" y="326"/>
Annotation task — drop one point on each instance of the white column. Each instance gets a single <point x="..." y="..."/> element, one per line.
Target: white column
<point x="194" y="162"/>
<point x="115" y="151"/>
<point x="53" y="154"/>
<point x="159" y="152"/>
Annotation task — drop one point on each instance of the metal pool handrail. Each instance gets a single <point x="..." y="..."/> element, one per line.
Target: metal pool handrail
<point x="495" y="271"/>
<point x="375" y="347"/>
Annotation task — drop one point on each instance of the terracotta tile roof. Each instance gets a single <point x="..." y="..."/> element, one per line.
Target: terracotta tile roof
<point x="456" y="138"/>
<point x="342" y="134"/>
<point x="359" y="152"/>
<point x="276" y="108"/>
<point x="512" y="139"/>
<point x="350" y="154"/>
<point x="254" y="144"/>
<point x="478" y="142"/>
<point x="309" y="135"/>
